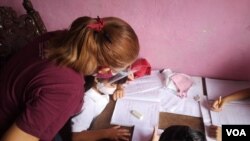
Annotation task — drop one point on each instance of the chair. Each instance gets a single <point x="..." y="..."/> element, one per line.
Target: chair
<point x="17" y="31"/>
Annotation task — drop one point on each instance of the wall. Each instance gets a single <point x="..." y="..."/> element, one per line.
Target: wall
<point x="198" y="37"/>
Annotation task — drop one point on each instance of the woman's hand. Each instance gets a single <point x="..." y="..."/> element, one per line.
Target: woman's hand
<point x="117" y="133"/>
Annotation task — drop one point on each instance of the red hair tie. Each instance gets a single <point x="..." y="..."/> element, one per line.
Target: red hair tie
<point x="97" y="26"/>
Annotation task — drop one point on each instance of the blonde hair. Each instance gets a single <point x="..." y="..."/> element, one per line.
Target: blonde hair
<point x="84" y="49"/>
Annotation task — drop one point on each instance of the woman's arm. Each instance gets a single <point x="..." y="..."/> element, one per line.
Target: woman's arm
<point x="16" y="134"/>
<point x="238" y="95"/>
<point x="113" y="133"/>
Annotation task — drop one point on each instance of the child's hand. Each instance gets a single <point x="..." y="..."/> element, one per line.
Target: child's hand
<point x="215" y="132"/>
<point x="217" y="105"/>
<point x="117" y="133"/>
<point x="119" y="93"/>
<point x="155" y="137"/>
<point x="131" y="77"/>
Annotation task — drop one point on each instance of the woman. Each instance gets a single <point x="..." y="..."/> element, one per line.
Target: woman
<point x="42" y="85"/>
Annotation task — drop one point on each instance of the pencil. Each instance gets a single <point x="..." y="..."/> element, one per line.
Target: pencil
<point x="220" y="100"/>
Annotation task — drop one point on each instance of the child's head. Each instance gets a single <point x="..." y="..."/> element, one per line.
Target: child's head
<point x="181" y="133"/>
<point x="104" y="87"/>
<point x="102" y="84"/>
<point x="93" y="42"/>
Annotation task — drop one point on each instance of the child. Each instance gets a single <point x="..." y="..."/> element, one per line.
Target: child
<point x="96" y="98"/>
<point x="215" y="131"/>
<point x="105" y="72"/>
<point x="179" y="133"/>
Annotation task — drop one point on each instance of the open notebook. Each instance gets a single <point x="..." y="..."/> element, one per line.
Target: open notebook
<point x="148" y="95"/>
<point x="140" y="106"/>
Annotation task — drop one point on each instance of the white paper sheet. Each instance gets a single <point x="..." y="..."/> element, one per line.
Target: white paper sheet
<point x="232" y="113"/>
<point x="150" y="95"/>
<point x="170" y="102"/>
<point x="142" y="133"/>
<point x="206" y="117"/>
<point x="122" y="112"/>
<point x="143" y="128"/>
<point x="196" y="89"/>
<point x="144" y="84"/>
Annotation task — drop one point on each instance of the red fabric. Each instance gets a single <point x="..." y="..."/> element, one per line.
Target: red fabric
<point x="38" y="95"/>
<point x="142" y="66"/>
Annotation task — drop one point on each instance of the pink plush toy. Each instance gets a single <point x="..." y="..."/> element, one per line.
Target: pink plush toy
<point x="182" y="82"/>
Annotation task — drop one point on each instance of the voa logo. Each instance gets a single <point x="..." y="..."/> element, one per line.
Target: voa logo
<point x="236" y="132"/>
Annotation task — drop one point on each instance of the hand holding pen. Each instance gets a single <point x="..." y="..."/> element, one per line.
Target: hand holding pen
<point x="217" y="105"/>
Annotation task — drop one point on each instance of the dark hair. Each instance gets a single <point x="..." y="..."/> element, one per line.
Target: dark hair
<point x="181" y="133"/>
<point x="121" y="81"/>
<point x="89" y="82"/>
